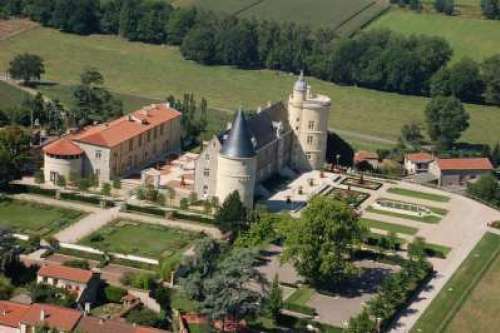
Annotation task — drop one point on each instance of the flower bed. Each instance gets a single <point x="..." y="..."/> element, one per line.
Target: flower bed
<point x="362" y="183"/>
<point x="353" y="198"/>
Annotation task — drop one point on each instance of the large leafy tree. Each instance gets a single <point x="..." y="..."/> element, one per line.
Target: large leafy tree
<point x="446" y="120"/>
<point x="411" y="135"/>
<point x="486" y="188"/>
<point x="490" y="8"/>
<point x="93" y="100"/>
<point x="14" y="146"/>
<point x="321" y="244"/>
<point x="275" y="300"/>
<point x="490" y="69"/>
<point x="232" y="215"/>
<point x="26" y="67"/>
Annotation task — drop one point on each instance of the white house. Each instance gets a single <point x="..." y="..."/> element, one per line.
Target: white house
<point x="417" y="163"/>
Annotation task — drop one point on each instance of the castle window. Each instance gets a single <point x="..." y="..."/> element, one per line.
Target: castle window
<point x="310" y="125"/>
<point x="309" y="139"/>
<point x="98" y="154"/>
<point x="206" y="172"/>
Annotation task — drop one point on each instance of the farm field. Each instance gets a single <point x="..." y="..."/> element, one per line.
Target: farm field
<point x="141" y="239"/>
<point x="35" y="219"/>
<point x="316" y="13"/>
<point x="469" y="301"/>
<point x="10" y="96"/>
<point x="154" y="72"/>
<point x="461" y="32"/>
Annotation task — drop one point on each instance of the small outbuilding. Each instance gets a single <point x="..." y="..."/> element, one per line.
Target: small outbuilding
<point x="459" y="171"/>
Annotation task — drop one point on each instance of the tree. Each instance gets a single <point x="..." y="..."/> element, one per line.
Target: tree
<point x="226" y="292"/>
<point x="321" y="244"/>
<point x="26" y="67"/>
<point x="232" y="216"/>
<point x="446" y="119"/>
<point x="490" y="8"/>
<point x="495" y="155"/>
<point x="179" y="23"/>
<point x="199" y="45"/>
<point x="275" y="300"/>
<point x="38" y="109"/>
<point x="14" y="147"/>
<point x="106" y="189"/>
<point x="490" y="69"/>
<point x="93" y="101"/>
<point x="486" y="188"/>
<point x="361" y="323"/>
<point x="144" y="317"/>
<point x="411" y="135"/>
<point x="462" y="80"/>
<point x="445" y="6"/>
<point x="6" y="288"/>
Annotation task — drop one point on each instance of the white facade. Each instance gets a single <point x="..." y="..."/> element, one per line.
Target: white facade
<point x="236" y="174"/>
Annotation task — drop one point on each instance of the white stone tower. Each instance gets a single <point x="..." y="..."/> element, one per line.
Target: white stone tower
<point x="237" y="163"/>
<point x="308" y="117"/>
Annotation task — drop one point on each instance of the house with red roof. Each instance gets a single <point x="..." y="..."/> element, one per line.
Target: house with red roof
<point x="116" y="148"/>
<point x="415" y="163"/>
<point x="81" y="282"/>
<point x="364" y="156"/>
<point x="10" y="316"/>
<point x="459" y="171"/>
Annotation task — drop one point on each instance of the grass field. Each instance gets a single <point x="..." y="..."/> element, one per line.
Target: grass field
<point x="141" y="239"/>
<point x="35" y="219"/>
<point x="10" y="96"/>
<point x="418" y="194"/>
<point x="316" y="13"/>
<point x="469" y="301"/>
<point x="391" y="227"/>
<point x="475" y="38"/>
<point x="154" y="72"/>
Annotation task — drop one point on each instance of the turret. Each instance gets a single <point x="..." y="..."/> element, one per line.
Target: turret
<point x="308" y="117"/>
<point x="237" y="163"/>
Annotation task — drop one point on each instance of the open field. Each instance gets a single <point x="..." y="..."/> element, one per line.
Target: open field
<point x="418" y="194"/>
<point x="154" y="72"/>
<point x="35" y="219"/>
<point x="141" y="239"/>
<point x="10" y="96"/>
<point x="390" y="227"/>
<point x="475" y="38"/>
<point x="469" y="301"/>
<point x="317" y="13"/>
<point x="15" y="26"/>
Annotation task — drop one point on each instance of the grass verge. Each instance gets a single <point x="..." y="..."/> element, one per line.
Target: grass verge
<point x="418" y="194"/>
<point x="390" y="227"/>
<point x="425" y="219"/>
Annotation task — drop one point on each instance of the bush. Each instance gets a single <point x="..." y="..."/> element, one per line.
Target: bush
<point x="114" y="294"/>
<point x="184" y="203"/>
<point x="144" y="281"/>
<point x="117" y="183"/>
<point x="77" y="263"/>
<point x="144" y="317"/>
<point x="39" y="177"/>
<point x="146" y="210"/>
<point x="60" y="181"/>
<point x="106" y="189"/>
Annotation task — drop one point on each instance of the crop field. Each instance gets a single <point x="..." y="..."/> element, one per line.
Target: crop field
<point x="475" y="38"/>
<point x="469" y="300"/>
<point x="317" y="13"/>
<point x="153" y="72"/>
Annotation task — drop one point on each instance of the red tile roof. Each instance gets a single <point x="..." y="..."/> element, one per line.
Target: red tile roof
<point x="63" y="147"/>
<point x="464" y="164"/>
<point x="12" y="313"/>
<point x="363" y="155"/>
<point x="124" y="128"/>
<point x="419" y="157"/>
<point x="66" y="273"/>
<point x="63" y="319"/>
<point x="97" y="325"/>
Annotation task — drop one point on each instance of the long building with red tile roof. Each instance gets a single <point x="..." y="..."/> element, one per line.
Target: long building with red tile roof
<point x="52" y="316"/>
<point x="10" y="315"/>
<point x="459" y="171"/>
<point x="116" y="148"/>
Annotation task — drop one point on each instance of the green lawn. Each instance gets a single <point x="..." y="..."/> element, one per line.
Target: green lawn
<point x="475" y="38"/>
<point x="35" y="219"/>
<point x="469" y="301"/>
<point x="141" y="239"/>
<point x="391" y="227"/>
<point x="301" y="296"/>
<point x="154" y="72"/>
<point x="418" y="194"/>
<point x="10" y="96"/>
<point x="425" y="219"/>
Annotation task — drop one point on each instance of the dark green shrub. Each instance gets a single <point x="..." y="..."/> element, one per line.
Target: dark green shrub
<point x="114" y="294"/>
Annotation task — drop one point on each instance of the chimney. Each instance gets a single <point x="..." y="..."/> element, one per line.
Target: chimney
<point x="42" y="314"/>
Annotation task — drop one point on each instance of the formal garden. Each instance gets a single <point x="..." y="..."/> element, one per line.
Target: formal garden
<point x="362" y="183"/>
<point x="352" y="198"/>
<point x="35" y="219"/>
<point x="407" y="210"/>
<point x="141" y="239"/>
<point x="418" y="194"/>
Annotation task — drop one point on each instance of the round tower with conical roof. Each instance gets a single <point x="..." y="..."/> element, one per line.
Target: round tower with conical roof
<point x="237" y="163"/>
<point x="308" y="117"/>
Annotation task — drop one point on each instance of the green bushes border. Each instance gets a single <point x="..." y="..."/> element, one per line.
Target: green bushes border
<point x="304" y="309"/>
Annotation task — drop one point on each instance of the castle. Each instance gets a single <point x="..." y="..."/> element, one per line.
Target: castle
<point x="274" y="141"/>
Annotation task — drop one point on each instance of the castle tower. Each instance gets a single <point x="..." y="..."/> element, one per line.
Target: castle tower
<point x="237" y="163"/>
<point x="308" y="117"/>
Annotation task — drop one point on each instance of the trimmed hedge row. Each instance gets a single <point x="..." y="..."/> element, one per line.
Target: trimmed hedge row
<point x="145" y="210"/>
<point x="87" y="199"/>
<point x="304" y="309"/>
<point x="193" y="217"/>
<point x="21" y="188"/>
<point x="176" y="214"/>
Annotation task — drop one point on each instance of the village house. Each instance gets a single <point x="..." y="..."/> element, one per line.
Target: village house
<point x="370" y="158"/>
<point x="415" y="163"/>
<point x="116" y="148"/>
<point x="10" y="316"/>
<point x="46" y="315"/>
<point x="83" y="283"/>
<point x="90" y="324"/>
<point x="459" y="171"/>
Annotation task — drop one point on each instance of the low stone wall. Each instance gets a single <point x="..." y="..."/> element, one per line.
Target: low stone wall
<point x="89" y="249"/>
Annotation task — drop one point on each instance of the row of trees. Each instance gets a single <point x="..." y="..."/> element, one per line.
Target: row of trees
<point x="491" y="9"/>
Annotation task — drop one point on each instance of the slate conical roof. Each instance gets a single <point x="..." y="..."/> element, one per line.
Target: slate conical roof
<point x="239" y="142"/>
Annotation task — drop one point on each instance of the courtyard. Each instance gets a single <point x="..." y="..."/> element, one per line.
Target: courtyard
<point x="35" y="219"/>
<point x="141" y="239"/>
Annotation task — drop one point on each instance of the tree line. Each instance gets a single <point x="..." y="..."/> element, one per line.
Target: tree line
<point x="380" y="59"/>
